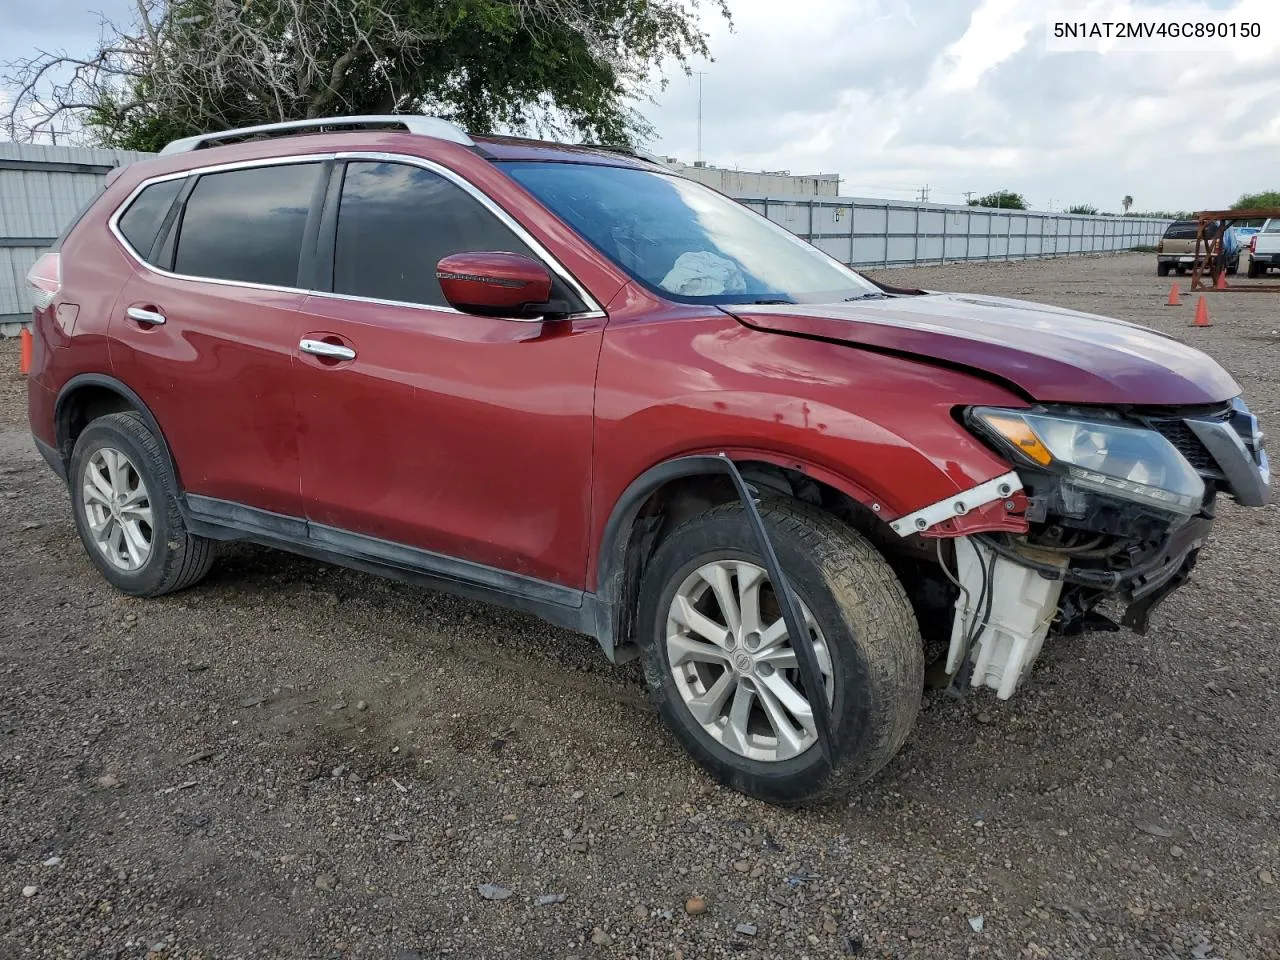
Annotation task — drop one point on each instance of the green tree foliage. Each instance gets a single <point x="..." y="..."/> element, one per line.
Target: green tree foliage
<point x="1253" y="201"/>
<point x="1003" y="199"/>
<point x="546" y="67"/>
<point x="1085" y="208"/>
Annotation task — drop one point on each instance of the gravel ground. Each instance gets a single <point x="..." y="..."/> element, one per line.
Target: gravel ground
<point x="297" y="761"/>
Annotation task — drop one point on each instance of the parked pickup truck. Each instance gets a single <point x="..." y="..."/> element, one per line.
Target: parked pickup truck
<point x="1176" y="250"/>
<point x="1264" y="248"/>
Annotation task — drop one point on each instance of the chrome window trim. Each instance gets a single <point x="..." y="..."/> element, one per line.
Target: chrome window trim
<point x="114" y="222"/>
<point x="594" y="309"/>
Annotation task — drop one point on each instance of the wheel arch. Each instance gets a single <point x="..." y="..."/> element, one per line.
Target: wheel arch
<point x="669" y="492"/>
<point x="88" y="396"/>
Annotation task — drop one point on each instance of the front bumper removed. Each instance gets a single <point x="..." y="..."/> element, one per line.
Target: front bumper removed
<point x="1008" y="602"/>
<point x="1012" y="592"/>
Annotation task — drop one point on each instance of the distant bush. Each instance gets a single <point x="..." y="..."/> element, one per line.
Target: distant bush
<point x="1087" y="209"/>
<point x="1250" y="201"/>
<point x="1001" y="199"/>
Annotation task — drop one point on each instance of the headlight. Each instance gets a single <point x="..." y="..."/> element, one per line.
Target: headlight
<point x="1133" y="463"/>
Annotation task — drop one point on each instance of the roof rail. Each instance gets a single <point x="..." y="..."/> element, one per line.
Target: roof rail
<point x="627" y="151"/>
<point x="414" y="123"/>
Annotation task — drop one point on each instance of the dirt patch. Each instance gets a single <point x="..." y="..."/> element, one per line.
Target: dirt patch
<point x="298" y="761"/>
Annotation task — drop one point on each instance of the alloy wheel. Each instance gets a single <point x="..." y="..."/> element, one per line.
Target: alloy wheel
<point x="117" y="507"/>
<point x="734" y="662"/>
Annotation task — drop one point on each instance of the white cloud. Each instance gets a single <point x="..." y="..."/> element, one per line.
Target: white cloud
<point x="957" y="94"/>
<point x="963" y="95"/>
<point x="997" y="31"/>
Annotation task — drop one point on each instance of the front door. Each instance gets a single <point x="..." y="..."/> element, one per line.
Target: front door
<point x="462" y="435"/>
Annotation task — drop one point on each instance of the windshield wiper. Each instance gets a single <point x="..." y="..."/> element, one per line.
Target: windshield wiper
<point x="762" y="303"/>
<point x="875" y="295"/>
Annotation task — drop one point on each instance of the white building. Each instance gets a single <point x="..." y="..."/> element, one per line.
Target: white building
<point x="759" y="183"/>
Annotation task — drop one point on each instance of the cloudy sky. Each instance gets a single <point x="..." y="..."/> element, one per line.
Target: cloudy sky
<point x="957" y="94"/>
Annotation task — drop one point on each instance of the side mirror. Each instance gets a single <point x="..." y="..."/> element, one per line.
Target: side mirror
<point x="493" y="283"/>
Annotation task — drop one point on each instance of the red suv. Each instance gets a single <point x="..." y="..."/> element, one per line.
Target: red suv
<point x="565" y="380"/>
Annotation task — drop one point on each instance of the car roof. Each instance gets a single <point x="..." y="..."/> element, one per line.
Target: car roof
<point x="416" y="128"/>
<point x="522" y="148"/>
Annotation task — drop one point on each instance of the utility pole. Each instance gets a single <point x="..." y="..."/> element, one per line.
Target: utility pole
<point x="924" y="194"/>
<point x="968" y="195"/>
<point x="701" y="74"/>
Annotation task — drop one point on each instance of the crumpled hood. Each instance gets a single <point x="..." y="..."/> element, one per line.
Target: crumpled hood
<point x="1050" y="353"/>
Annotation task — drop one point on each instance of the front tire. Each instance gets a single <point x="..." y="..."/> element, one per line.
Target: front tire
<point x="126" y="510"/>
<point x="721" y="668"/>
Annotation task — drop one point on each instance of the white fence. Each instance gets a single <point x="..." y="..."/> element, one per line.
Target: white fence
<point x="886" y="233"/>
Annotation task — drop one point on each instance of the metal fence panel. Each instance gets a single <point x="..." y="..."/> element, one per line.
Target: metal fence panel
<point x="42" y="188"/>
<point x="888" y="233"/>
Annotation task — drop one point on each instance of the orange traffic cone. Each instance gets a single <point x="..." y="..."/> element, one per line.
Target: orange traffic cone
<point x="1221" y="282"/>
<point x="1202" y="313"/>
<point x="1174" y="299"/>
<point x="24" y="350"/>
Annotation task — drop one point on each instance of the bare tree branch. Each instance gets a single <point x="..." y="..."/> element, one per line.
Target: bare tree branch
<point x="188" y="66"/>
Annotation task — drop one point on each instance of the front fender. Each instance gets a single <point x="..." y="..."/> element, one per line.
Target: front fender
<point x="879" y="427"/>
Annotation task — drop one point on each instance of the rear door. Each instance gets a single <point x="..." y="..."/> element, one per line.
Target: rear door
<point x="204" y="330"/>
<point x="462" y="435"/>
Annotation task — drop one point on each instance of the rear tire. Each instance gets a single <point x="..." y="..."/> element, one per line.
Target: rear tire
<point x="1162" y="269"/>
<point x="862" y="626"/>
<point x="126" y="510"/>
<point x="1255" y="270"/>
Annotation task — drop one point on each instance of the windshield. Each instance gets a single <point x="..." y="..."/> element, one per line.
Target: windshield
<point x="685" y="241"/>
<point x="1271" y="226"/>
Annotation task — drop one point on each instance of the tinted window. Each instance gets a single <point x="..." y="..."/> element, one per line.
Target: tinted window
<point x="141" y="222"/>
<point x="396" y="221"/>
<point x="1182" y="230"/>
<point x="1271" y="226"/>
<point x="247" y="225"/>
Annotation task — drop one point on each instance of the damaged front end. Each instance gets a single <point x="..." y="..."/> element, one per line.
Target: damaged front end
<point x="1119" y="503"/>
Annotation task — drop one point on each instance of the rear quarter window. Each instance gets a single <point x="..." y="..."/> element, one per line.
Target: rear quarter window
<point x="140" y="223"/>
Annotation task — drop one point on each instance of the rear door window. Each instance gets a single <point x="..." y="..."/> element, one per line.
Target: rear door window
<point x="247" y="225"/>
<point x="396" y="221"/>
<point x="141" y="222"/>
